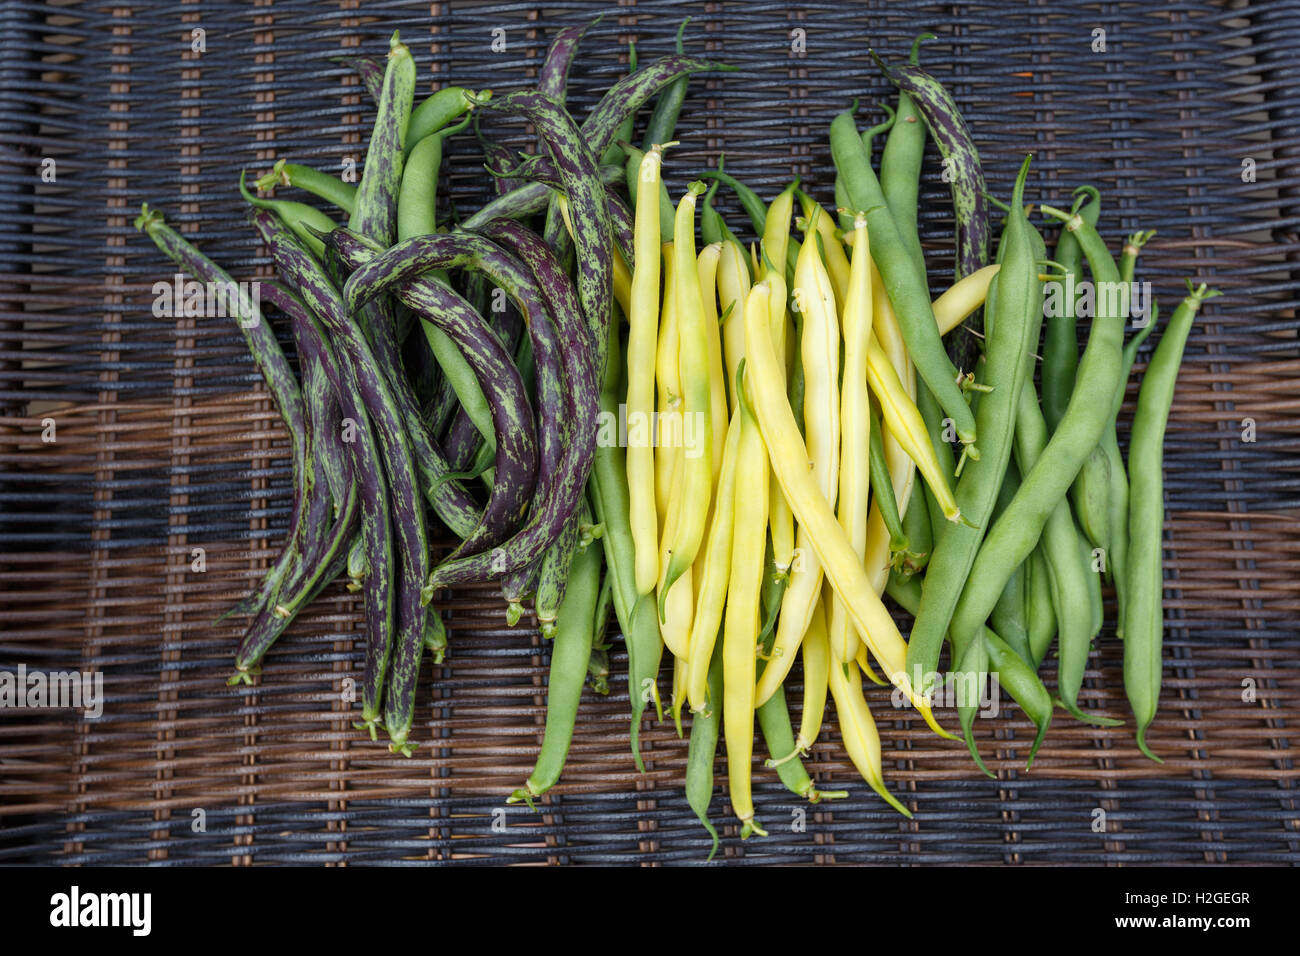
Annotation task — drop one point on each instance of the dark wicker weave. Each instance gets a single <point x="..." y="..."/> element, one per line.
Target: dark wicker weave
<point x="166" y="440"/>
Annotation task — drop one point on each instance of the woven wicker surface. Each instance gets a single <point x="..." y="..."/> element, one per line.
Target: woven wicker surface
<point x="166" y="440"/>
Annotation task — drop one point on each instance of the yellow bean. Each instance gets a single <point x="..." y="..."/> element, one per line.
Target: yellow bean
<point x="668" y="434"/>
<point x="817" y="664"/>
<point x="707" y="264"/>
<point x="741" y="624"/>
<point x="622" y="275"/>
<point x="675" y="610"/>
<point x="889" y="334"/>
<point x="679" y="692"/>
<point x="733" y="287"/>
<point x="902" y="470"/>
<point x="713" y="575"/>
<point x="776" y="242"/>
<point x="858" y="730"/>
<point x="776" y="230"/>
<point x="950" y="309"/>
<point x="864" y="662"/>
<point x="855" y="436"/>
<point x="642" y="354"/>
<point x="904" y="422"/>
<point x="789" y="457"/>
<point x="819" y="349"/>
<point x="962" y="298"/>
<point x="837" y="263"/>
<point x="696" y="454"/>
<point x="780" y="517"/>
<point x="622" y="281"/>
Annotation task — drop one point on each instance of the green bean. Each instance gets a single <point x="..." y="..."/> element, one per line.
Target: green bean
<point x="935" y="425"/>
<point x="663" y="119"/>
<point x="904" y="281"/>
<point x="900" y="167"/>
<point x="436" y="111"/>
<point x="961" y="160"/>
<point x="712" y="227"/>
<point x="1061" y="343"/>
<point x="303" y="220"/>
<point x="1020" y="252"/>
<point x="457" y="370"/>
<point x="614" y="156"/>
<point x="1014" y="535"/>
<point x="1091" y="489"/>
<point x="1023" y="685"/>
<point x="417" y="197"/>
<point x="884" y="126"/>
<point x="1013" y="674"/>
<point x="1086" y="559"/>
<point x="1128" y="255"/>
<point x="1008" y="617"/>
<point x="415" y="217"/>
<point x="570" y="654"/>
<point x="868" y="139"/>
<point x="778" y="734"/>
<point x="1016" y="300"/>
<point x="1131" y="349"/>
<point x="598" y="666"/>
<point x="526" y="200"/>
<point x="1068" y="564"/>
<point x="754" y="207"/>
<point x="553" y="574"/>
<point x="1117" y="556"/>
<point x="917" y="528"/>
<point x="330" y="188"/>
<point x="1144" y="616"/>
<point x="882" y="488"/>
<point x="1091" y="494"/>
<point x="609" y="493"/>
<point x="636" y="615"/>
<point x="1039" y="610"/>
<point x="703" y="746"/>
<point x="775" y="581"/>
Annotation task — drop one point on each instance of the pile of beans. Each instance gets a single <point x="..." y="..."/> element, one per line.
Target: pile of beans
<point x="780" y="400"/>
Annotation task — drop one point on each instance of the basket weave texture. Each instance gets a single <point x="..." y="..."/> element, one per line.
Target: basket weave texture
<point x="166" y="441"/>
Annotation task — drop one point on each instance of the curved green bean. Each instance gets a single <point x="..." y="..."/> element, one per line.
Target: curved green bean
<point x="570" y="654"/>
<point x="330" y="188"/>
